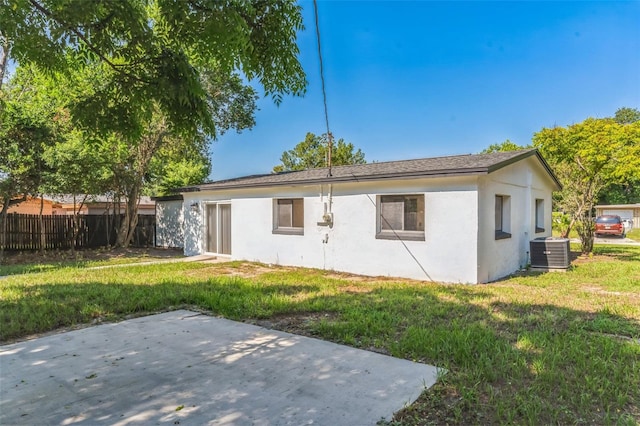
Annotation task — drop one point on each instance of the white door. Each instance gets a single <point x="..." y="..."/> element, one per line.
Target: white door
<point x="218" y="228"/>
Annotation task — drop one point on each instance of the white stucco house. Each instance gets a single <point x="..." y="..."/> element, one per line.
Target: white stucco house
<point x="169" y="211"/>
<point x="460" y="219"/>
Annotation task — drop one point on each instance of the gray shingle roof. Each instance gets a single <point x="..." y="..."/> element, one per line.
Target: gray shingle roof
<point x="457" y="165"/>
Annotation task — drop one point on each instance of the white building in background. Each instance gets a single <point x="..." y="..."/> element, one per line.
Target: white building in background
<point x="627" y="212"/>
<point x="169" y="221"/>
<point x="465" y="218"/>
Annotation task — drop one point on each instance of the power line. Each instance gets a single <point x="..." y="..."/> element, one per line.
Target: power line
<point x="398" y="237"/>
<point x="324" y="92"/>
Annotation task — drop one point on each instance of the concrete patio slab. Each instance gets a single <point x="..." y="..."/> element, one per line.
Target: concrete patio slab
<point x="183" y="367"/>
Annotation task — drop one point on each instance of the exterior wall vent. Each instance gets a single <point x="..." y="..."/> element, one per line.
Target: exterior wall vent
<point x="550" y="253"/>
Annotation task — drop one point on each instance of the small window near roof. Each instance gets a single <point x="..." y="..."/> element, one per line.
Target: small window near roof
<point x="503" y="217"/>
<point x="539" y="215"/>
<point x="288" y="216"/>
<point x="401" y="217"/>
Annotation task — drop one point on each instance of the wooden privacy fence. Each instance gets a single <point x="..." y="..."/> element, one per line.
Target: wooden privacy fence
<point x="23" y="231"/>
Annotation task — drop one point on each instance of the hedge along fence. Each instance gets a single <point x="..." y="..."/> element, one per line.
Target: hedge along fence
<point x="23" y="231"/>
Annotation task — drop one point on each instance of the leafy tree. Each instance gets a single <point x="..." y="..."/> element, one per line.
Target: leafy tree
<point x="505" y="146"/>
<point x="586" y="157"/>
<point x="620" y="193"/>
<point x="76" y="168"/>
<point x="311" y="153"/>
<point x="626" y="189"/>
<point x="130" y="159"/>
<point x="626" y="115"/>
<point x="153" y="54"/>
<point x="162" y="70"/>
<point x="177" y="165"/>
<point x="231" y="104"/>
<point x="29" y="123"/>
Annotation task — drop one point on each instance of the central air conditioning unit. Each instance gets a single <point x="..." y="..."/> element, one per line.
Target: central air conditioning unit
<point x="550" y="253"/>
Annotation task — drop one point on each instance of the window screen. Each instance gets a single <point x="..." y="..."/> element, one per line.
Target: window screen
<point x="539" y="215"/>
<point x="499" y="212"/>
<point x="503" y="217"/>
<point x="401" y="213"/>
<point x="289" y="214"/>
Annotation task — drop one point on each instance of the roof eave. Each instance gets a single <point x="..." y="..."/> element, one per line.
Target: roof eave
<point x="533" y="151"/>
<point x="343" y="179"/>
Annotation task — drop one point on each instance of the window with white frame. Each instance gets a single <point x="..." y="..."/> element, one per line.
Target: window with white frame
<point x="401" y="217"/>
<point x="288" y="216"/>
<point x="539" y="215"/>
<point x="503" y="217"/>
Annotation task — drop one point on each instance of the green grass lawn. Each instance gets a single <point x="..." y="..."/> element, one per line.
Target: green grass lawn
<point x="634" y="234"/>
<point x="557" y="348"/>
<point x="22" y="263"/>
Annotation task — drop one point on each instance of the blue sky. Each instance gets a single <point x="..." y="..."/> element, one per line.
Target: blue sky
<point x="418" y="79"/>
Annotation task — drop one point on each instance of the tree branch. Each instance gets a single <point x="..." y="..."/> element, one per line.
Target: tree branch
<point x="85" y="40"/>
<point x="4" y="57"/>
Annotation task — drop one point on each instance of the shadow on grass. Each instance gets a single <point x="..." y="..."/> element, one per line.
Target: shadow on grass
<point x="6" y="270"/>
<point x="623" y="253"/>
<point x="508" y="362"/>
<point x="14" y="263"/>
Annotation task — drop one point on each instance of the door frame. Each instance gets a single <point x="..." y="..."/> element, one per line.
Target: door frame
<point x="219" y="224"/>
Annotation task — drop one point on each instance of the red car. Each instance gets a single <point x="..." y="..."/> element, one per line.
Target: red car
<point x="609" y="225"/>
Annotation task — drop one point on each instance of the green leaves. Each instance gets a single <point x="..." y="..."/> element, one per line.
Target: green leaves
<point x="312" y="152"/>
<point x="505" y="146"/>
<point x="154" y="53"/>
<point x="589" y="156"/>
<point x="594" y="146"/>
<point x="627" y="115"/>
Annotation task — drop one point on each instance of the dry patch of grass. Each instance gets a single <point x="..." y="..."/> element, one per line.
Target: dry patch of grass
<point x="354" y="289"/>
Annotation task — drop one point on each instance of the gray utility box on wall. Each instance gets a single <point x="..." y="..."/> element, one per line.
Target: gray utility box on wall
<point x="550" y="253"/>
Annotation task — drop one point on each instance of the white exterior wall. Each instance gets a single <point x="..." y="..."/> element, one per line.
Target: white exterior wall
<point x="169" y="224"/>
<point x="449" y="252"/>
<point x="459" y="246"/>
<point x="524" y="181"/>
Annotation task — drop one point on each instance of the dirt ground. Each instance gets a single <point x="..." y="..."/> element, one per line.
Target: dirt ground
<point x="25" y="257"/>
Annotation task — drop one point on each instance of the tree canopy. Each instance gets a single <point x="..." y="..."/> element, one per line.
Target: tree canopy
<point x="42" y="149"/>
<point x="311" y="153"/>
<point x="150" y="82"/>
<point x="626" y="115"/>
<point x="588" y="156"/>
<point x="505" y="146"/>
<point x="153" y="54"/>
<point x="30" y="122"/>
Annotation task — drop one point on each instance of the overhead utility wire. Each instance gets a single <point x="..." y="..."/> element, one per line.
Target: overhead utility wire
<point x="398" y="237"/>
<point x="324" y="92"/>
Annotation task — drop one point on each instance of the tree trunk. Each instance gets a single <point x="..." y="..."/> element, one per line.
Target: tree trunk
<point x="116" y="216"/>
<point x="127" y="227"/>
<point x="42" y="241"/>
<point x="75" y="222"/>
<point x="586" y="231"/>
<point x="148" y="146"/>
<point x="4" y="57"/>
<point x="566" y="232"/>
